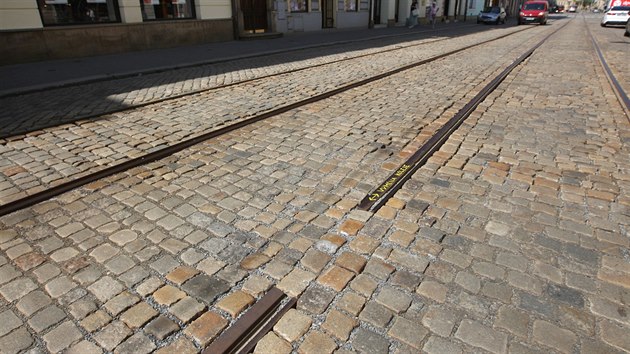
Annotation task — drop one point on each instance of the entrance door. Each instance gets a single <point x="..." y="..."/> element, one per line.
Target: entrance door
<point x="254" y="15"/>
<point x="328" y="15"/>
<point x="377" y="12"/>
<point x="446" y="8"/>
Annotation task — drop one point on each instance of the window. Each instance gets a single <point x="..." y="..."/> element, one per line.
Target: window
<point x="78" y="12"/>
<point x="297" y="5"/>
<point x="167" y="9"/>
<point x="534" y="6"/>
<point x="351" y="5"/>
<point x="315" y="5"/>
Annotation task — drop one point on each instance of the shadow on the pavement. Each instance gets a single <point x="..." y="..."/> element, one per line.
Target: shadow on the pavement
<point x="22" y="114"/>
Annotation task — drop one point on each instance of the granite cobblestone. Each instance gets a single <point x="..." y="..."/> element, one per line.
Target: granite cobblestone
<point x="166" y="256"/>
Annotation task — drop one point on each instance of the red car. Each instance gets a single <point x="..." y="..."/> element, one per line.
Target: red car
<point x="534" y="11"/>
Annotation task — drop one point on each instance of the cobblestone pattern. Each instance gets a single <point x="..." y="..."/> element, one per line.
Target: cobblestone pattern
<point x="513" y="237"/>
<point x="49" y="157"/>
<point x="523" y="215"/>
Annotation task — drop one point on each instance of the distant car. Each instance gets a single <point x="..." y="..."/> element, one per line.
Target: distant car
<point x="494" y="14"/>
<point x="616" y="15"/>
<point x="560" y="8"/>
<point x="534" y="12"/>
<point x="572" y="8"/>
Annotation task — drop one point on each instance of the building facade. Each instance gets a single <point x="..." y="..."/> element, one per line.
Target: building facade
<point x="32" y="30"/>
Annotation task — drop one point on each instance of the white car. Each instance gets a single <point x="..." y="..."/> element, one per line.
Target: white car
<point x="492" y="14"/>
<point x="616" y="15"/>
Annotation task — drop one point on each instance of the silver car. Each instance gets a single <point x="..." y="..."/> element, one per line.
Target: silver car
<point x="492" y="14"/>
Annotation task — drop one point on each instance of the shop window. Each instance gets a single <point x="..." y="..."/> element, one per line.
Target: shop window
<point x="167" y="9"/>
<point x="315" y="5"/>
<point x="348" y="5"/>
<point x="78" y="12"/>
<point x="297" y="5"/>
<point x="365" y="5"/>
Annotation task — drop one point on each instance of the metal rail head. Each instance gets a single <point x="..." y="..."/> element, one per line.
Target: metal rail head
<point x="253" y="325"/>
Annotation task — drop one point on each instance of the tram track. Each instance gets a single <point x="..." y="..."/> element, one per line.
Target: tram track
<point x="164" y="152"/>
<point x="620" y="93"/>
<point x="120" y="194"/>
<point x="381" y="194"/>
<point x="71" y="113"/>
<point x="390" y="186"/>
<point x="130" y="133"/>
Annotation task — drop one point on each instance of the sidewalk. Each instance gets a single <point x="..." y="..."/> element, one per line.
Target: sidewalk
<point x="35" y="76"/>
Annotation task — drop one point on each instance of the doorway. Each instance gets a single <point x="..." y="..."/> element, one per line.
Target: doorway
<point x="254" y="15"/>
<point x="446" y="9"/>
<point x="377" y="12"/>
<point x="328" y="14"/>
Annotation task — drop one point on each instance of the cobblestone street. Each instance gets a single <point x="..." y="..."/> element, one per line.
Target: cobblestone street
<point x="50" y="157"/>
<point x="513" y="238"/>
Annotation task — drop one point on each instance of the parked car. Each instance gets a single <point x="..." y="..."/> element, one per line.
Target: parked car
<point x="494" y="14"/>
<point x="573" y="8"/>
<point x="534" y="12"/>
<point x="627" y="32"/>
<point x="616" y="15"/>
